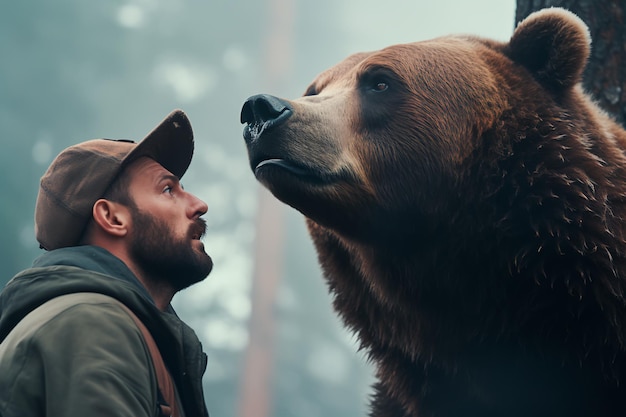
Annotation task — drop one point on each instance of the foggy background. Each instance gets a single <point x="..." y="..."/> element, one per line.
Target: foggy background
<point x="72" y="70"/>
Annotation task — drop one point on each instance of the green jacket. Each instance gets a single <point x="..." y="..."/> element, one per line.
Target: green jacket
<point x="89" y="359"/>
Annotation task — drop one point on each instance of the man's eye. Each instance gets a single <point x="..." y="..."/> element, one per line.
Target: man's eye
<point x="168" y="190"/>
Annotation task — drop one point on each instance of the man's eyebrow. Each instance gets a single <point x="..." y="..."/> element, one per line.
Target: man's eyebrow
<point x="169" y="177"/>
<point x="173" y="178"/>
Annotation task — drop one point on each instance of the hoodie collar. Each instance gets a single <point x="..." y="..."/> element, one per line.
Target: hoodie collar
<point x="92" y="258"/>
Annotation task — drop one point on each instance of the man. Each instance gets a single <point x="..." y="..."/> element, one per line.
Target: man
<point x="122" y="237"/>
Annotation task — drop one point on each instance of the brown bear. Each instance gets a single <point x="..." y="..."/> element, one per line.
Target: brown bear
<point x="467" y="201"/>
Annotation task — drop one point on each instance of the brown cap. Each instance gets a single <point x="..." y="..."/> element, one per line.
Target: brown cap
<point x="81" y="174"/>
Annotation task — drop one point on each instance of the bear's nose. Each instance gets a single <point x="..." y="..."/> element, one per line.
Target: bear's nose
<point x="262" y="112"/>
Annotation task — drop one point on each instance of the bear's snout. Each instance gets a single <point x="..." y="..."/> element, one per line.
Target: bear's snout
<point x="262" y="112"/>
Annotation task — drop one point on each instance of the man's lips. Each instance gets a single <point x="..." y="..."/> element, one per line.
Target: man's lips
<point x="197" y="229"/>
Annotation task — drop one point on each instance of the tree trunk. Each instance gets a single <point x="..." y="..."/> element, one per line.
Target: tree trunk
<point x="605" y="75"/>
<point x="256" y="390"/>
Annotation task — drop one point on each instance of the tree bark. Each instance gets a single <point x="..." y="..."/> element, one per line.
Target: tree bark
<point x="605" y="75"/>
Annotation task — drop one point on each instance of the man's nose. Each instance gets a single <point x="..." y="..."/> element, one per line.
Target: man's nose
<point x="197" y="207"/>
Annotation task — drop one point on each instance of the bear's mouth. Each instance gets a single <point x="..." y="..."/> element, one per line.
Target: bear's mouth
<point x="281" y="163"/>
<point x="271" y="167"/>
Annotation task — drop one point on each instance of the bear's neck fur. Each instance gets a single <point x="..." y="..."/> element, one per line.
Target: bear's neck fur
<point x="553" y="186"/>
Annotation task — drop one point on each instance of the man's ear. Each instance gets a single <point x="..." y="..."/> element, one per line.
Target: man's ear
<point x="112" y="218"/>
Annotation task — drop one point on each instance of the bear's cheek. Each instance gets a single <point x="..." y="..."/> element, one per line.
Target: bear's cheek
<point x="405" y="169"/>
<point x="311" y="163"/>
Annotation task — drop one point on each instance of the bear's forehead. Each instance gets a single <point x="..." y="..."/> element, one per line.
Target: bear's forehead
<point x="451" y="54"/>
<point x="449" y="51"/>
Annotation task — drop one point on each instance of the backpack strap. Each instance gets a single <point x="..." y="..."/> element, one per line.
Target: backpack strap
<point x="167" y="395"/>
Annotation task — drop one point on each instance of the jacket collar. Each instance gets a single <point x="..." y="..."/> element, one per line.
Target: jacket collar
<point x="92" y="258"/>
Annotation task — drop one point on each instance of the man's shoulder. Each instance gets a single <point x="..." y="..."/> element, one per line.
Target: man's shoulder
<point x="88" y="316"/>
<point x="78" y="307"/>
<point x="87" y="340"/>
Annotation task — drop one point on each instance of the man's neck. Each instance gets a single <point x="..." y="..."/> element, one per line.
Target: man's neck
<point x="160" y="291"/>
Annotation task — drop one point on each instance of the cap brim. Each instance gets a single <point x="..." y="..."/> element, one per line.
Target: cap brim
<point x="170" y="144"/>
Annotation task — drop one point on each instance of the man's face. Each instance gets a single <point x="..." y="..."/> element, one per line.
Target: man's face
<point x="166" y="227"/>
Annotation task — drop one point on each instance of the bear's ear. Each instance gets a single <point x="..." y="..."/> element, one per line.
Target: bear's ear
<point x="553" y="44"/>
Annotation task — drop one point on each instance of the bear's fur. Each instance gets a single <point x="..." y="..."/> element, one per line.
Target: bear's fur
<point x="468" y="204"/>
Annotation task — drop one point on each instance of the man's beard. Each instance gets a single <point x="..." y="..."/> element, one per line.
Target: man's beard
<point x="165" y="258"/>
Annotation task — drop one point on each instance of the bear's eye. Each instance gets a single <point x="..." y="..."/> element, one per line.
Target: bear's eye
<point x="377" y="80"/>
<point x="379" y="86"/>
<point x="377" y="83"/>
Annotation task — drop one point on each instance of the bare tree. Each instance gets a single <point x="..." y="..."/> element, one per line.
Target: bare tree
<point x="605" y="76"/>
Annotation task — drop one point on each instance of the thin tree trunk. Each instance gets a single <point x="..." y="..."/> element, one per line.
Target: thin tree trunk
<point x="605" y="76"/>
<point x="255" y="398"/>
